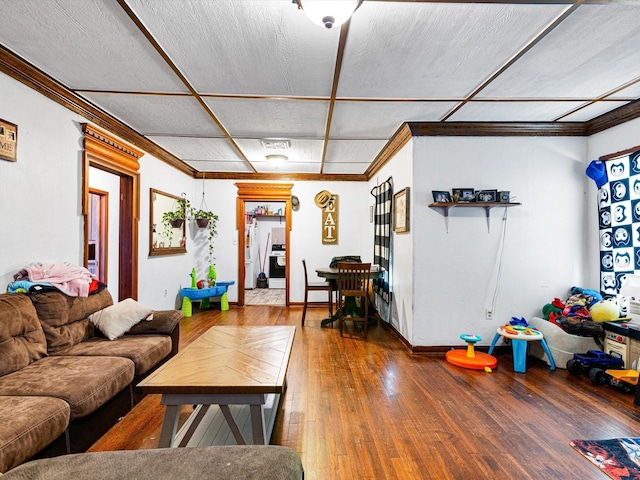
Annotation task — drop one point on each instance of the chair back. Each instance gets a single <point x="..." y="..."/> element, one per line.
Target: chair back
<point x="304" y="265"/>
<point x="353" y="279"/>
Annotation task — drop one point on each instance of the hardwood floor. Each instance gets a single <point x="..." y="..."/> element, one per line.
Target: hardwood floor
<point x="370" y="409"/>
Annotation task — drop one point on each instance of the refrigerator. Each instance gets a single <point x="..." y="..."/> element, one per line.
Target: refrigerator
<point x="251" y="262"/>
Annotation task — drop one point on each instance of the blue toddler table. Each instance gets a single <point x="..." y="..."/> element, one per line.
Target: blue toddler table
<point x="203" y="295"/>
<point x="519" y="337"/>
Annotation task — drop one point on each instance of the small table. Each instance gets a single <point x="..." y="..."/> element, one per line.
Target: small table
<point x="226" y="365"/>
<point x="331" y="274"/>
<point x="519" y="336"/>
<point x="204" y="294"/>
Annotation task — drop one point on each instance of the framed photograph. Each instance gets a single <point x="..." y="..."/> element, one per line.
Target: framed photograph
<point x="401" y="211"/>
<point x="487" y="196"/>
<point x="464" y="195"/>
<point x="9" y="141"/>
<point x="440" y="196"/>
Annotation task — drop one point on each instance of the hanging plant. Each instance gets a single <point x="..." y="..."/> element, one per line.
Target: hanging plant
<point x="207" y="219"/>
<point x="176" y="217"/>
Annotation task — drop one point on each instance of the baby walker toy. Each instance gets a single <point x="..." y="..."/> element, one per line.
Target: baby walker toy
<point x="469" y="358"/>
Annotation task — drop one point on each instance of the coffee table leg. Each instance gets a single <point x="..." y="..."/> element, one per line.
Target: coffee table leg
<point x="257" y="425"/>
<point x="169" y="426"/>
<point x="228" y="416"/>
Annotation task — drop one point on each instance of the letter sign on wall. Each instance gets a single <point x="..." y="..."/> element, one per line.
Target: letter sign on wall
<point x="330" y="222"/>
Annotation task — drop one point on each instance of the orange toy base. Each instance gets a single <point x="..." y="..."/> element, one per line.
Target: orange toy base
<point x="479" y="362"/>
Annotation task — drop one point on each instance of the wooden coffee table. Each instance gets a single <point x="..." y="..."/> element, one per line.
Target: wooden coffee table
<point x="227" y="365"/>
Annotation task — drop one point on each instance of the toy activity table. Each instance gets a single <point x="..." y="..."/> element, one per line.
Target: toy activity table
<point x="203" y="295"/>
<point x="519" y="336"/>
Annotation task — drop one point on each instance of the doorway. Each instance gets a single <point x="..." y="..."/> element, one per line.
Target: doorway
<point x="105" y="152"/>
<point x="250" y="195"/>
<point x="98" y="242"/>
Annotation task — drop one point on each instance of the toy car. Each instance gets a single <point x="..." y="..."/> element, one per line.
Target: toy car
<point x="594" y="363"/>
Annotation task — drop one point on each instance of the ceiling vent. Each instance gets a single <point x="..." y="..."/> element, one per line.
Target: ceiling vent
<point x="275" y="143"/>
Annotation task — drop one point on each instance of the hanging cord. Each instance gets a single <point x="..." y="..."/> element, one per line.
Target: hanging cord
<point x="497" y="268"/>
<point x="203" y="202"/>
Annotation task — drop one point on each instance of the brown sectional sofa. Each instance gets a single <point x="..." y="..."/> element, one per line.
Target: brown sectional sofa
<point x="62" y="383"/>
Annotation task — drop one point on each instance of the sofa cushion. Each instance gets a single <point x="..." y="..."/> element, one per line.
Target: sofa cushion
<point x="146" y="351"/>
<point x="64" y="318"/>
<point x="22" y="340"/>
<point x="28" y="425"/>
<point x="114" y="320"/>
<point x="259" y="462"/>
<point x="85" y="383"/>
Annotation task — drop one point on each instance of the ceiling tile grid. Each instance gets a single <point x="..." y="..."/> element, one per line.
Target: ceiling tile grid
<point x="207" y="80"/>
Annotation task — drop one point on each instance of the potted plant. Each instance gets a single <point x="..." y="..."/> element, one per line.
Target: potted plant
<point x="207" y="219"/>
<point x="176" y="217"/>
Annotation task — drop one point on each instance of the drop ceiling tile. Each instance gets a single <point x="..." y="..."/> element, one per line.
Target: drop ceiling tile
<point x="590" y="53"/>
<point x="260" y="118"/>
<point x="190" y="148"/>
<point x="353" y="151"/>
<point x="631" y="92"/>
<point x="426" y="50"/>
<point x="157" y="114"/>
<point x="288" y="167"/>
<point x="380" y="120"/>
<point x="264" y="47"/>
<point x="345" y="168"/>
<point x="592" y="111"/>
<point x="216" y="166"/>
<point x="300" y="151"/>
<point x="479" y="111"/>
<point x="85" y="45"/>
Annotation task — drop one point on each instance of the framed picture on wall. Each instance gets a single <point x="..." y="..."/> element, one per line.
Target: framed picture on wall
<point x="440" y="196"/>
<point x="464" y="195"/>
<point x="401" y="211"/>
<point x="487" y="196"/>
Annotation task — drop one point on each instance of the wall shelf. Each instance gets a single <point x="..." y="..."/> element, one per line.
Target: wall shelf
<point x="444" y="208"/>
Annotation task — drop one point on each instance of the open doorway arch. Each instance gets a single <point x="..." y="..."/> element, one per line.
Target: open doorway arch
<point x="105" y="152"/>
<point x="257" y="192"/>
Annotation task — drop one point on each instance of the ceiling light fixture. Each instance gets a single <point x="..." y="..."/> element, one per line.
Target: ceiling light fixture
<point x="277" y="160"/>
<point x="327" y="13"/>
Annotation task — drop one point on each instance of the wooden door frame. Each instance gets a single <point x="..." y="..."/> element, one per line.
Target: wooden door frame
<point x="256" y="192"/>
<point x="105" y="152"/>
<point x="103" y="234"/>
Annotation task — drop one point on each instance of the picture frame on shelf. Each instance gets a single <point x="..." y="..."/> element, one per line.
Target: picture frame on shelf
<point x="487" y="196"/>
<point x="465" y="195"/>
<point x="401" y="211"/>
<point x="441" y="196"/>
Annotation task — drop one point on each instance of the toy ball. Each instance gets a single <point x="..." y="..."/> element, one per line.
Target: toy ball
<point x="200" y="284"/>
<point x="604" y="311"/>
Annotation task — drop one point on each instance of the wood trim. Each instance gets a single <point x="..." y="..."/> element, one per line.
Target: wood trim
<point x="252" y="192"/>
<point x="397" y="141"/>
<point x="25" y="73"/>
<point x="106" y="152"/>
<point x="620" y="115"/>
<point x="263" y="177"/>
<point x="497" y="129"/>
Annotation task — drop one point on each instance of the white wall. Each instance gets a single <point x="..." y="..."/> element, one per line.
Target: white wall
<point x="355" y="232"/>
<point x="543" y="256"/>
<point x="41" y="192"/>
<point x="402" y="273"/>
<point x="616" y="139"/>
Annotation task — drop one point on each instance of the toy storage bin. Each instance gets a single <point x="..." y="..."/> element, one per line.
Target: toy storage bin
<point x="561" y="344"/>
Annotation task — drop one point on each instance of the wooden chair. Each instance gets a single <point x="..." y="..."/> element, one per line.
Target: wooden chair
<point x="315" y="286"/>
<point x="353" y="282"/>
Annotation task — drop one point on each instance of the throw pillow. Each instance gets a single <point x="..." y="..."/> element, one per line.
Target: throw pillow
<point x="115" y="320"/>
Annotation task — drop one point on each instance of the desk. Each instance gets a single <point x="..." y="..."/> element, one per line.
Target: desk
<point x="331" y="274"/>
<point x="226" y="365"/>
<point x="519" y="337"/>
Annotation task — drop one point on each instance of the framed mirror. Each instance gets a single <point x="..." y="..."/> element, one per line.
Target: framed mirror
<point x="167" y="231"/>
